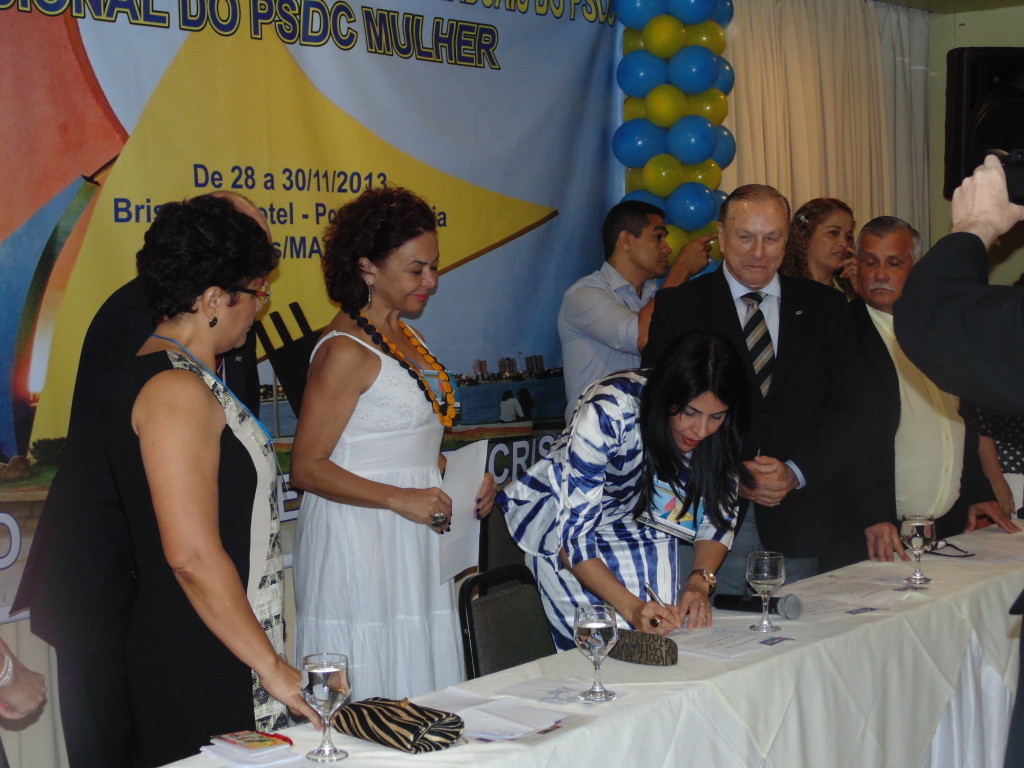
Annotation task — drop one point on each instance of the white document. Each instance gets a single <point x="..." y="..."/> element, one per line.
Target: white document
<point x="491" y="718"/>
<point x="460" y="547"/>
<point x="727" y="643"/>
<point x="868" y="594"/>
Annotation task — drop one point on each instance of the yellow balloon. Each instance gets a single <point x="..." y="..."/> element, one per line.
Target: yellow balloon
<point x="634" y="179"/>
<point x="633" y="108"/>
<point x="716" y="252"/>
<point x="662" y="174"/>
<point x="709" y="34"/>
<point x="676" y="238"/>
<point x="707" y="173"/>
<point x="664" y="105"/>
<point x="631" y="41"/>
<point x="664" y="35"/>
<point x="711" y="104"/>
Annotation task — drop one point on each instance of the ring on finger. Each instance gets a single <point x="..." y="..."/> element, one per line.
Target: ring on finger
<point x="655" y="622"/>
<point x="438" y="520"/>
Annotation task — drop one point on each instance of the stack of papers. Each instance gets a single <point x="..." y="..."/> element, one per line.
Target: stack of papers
<point x="248" y="748"/>
<point x="492" y="719"/>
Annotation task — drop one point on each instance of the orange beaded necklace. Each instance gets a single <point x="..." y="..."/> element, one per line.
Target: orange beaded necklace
<point x="446" y="411"/>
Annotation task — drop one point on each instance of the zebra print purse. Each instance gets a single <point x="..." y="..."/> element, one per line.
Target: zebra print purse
<point x="400" y="724"/>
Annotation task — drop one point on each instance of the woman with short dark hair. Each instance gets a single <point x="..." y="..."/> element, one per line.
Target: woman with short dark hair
<point x="195" y="473"/>
<point x="367" y="453"/>
<point x="664" y="442"/>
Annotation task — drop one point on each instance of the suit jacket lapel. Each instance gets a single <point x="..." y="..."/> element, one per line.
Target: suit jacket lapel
<point x="792" y="321"/>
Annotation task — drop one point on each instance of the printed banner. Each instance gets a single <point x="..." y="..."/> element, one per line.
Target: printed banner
<point x="497" y="112"/>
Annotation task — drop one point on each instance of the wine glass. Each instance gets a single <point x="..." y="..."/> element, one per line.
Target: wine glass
<point x="916" y="533"/>
<point x="596" y="632"/>
<point x="765" y="573"/>
<point x="326" y="687"/>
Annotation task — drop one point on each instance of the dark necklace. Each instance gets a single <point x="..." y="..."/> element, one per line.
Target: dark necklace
<point x="446" y="411"/>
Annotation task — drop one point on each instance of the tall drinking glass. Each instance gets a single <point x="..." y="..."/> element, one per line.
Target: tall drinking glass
<point x="916" y="533"/>
<point x="766" y="571"/>
<point x="326" y="687"/>
<point x="596" y="633"/>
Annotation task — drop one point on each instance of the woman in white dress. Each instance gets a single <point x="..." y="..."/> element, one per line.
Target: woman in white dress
<point x="367" y="453"/>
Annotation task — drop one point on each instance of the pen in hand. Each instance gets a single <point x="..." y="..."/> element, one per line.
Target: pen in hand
<point x="659" y="601"/>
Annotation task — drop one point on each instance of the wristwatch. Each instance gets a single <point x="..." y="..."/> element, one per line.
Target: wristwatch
<point x="708" y="576"/>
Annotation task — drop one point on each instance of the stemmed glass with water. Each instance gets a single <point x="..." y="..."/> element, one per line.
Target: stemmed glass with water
<point x="917" y="532"/>
<point x="326" y="687"/>
<point x="596" y="633"/>
<point x="766" y="571"/>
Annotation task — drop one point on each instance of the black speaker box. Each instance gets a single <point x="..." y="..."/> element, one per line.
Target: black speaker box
<point x="984" y="108"/>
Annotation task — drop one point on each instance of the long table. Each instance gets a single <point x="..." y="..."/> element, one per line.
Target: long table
<point x="929" y="682"/>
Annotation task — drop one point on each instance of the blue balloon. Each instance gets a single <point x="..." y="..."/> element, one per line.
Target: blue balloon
<point x="726" y="77"/>
<point x="691" y="206"/>
<point x="725" y="147"/>
<point x="693" y="69"/>
<point x="639" y="72"/>
<point x="636" y="13"/>
<point x="720" y="195"/>
<point x="692" y="139"/>
<point x="637" y="141"/>
<point x="645" y="197"/>
<point x="692" y="11"/>
<point x="723" y="13"/>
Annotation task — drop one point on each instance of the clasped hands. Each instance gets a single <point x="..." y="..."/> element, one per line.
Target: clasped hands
<point x="772" y="481"/>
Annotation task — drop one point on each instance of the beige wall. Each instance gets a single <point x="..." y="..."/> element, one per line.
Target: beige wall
<point x="959" y="30"/>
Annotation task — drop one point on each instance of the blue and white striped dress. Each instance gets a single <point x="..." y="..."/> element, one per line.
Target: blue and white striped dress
<point x="581" y="498"/>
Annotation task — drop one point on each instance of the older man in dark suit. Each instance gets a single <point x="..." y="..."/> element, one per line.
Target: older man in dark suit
<point x="807" y="397"/>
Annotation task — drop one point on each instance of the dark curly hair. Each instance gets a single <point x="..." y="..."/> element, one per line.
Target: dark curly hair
<point x="199" y="243"/>
<point x="373" y="225"/>
<point x="806" y="219"/>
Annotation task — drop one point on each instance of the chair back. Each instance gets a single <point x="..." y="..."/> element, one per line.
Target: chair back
<point x="504" y="624"/>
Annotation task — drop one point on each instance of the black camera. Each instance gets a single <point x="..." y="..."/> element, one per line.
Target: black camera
<point x="1013" y="164"/>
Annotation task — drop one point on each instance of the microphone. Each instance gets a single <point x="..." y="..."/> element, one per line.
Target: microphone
<point x="786" y="606"/>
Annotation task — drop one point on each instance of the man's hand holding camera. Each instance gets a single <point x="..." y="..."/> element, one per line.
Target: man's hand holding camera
<point x="981" y="205"/>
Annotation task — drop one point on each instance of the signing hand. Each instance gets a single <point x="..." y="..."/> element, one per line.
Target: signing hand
<point x="773" y="480"/>
<point x="651" y="617"/>
<point x="883" y="539"/>
<point x="993" y="512"/>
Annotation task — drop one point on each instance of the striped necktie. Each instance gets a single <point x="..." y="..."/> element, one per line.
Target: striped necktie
<point x="759" y="341"/>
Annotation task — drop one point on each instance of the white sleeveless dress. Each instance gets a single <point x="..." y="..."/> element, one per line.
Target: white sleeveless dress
<point x="366" y="580"/>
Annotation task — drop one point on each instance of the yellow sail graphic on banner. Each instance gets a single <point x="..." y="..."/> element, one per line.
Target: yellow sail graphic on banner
<point x="260" y="128"/>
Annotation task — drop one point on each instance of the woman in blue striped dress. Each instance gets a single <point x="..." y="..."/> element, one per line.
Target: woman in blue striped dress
<point x="575" y="512"/>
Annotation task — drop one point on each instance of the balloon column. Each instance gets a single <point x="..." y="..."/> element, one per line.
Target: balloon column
<point x="672" y="140"/>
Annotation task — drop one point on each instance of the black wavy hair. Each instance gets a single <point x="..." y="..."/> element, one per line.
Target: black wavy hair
<point x="695" y="363"/>
<point x="373" y="225"/>
<point x="198" y="243"/>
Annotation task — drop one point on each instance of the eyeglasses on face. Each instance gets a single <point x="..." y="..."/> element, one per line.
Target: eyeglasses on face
<point x="262" y="293"/>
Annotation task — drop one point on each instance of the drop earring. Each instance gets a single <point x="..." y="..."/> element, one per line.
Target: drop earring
<point x="213" y="321"/>
<point x="369" y="295"/>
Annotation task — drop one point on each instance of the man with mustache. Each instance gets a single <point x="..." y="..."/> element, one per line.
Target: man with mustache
<point x="921" y="458"/>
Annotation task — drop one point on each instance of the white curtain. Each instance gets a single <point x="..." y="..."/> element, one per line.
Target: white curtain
<point x="830" y="101"/>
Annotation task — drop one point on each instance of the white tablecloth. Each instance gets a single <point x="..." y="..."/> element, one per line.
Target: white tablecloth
<point x="928" y="683"/>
